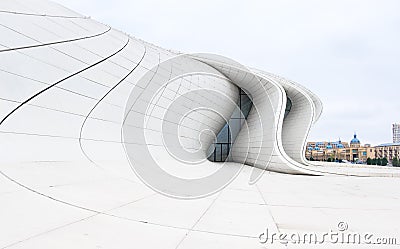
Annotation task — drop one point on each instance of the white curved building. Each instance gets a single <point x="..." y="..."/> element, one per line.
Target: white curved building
<point x="60" y="66"/>
<point x="81" y="102"/>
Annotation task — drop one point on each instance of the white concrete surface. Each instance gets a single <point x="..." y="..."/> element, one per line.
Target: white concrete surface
<point x="98" y="210"/>
<point x="84" y="110"/>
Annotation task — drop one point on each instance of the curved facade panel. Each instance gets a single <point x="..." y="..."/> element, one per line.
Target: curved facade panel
<point x="76" y="90"/>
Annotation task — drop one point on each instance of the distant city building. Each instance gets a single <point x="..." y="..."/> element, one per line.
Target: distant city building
<point x="390" y="151"/>
<point x="396" y="133"/>
<point x="338" y="151"/>
<point x="354" y="151"/>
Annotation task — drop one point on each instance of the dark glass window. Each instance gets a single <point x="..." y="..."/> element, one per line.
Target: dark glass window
<point x="225" y="138"/>
<point x="288" y="106"/>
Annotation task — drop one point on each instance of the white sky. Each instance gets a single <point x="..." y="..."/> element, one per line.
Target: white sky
<point x="346" y="51"/>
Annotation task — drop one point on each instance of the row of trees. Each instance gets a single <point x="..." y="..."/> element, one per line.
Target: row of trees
<point x="383" y="161"/>
<point x="396" y="162"/>
<point x="377" y="161"/>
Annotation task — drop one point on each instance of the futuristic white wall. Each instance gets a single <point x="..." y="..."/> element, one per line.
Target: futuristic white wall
<point x="73" y="89"/>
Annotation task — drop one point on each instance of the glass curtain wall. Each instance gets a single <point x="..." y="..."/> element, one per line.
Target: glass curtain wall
<point x="220" y="149"/>
<point x="225" y="138"/>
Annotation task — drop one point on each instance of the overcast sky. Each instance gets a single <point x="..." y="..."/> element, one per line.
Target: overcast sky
<point x="347" y="52"/>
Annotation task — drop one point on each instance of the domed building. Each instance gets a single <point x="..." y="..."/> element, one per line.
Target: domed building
<point x="340" y="145"/>
<point x="339" y="151"/>
<point x="355" y="142"/>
